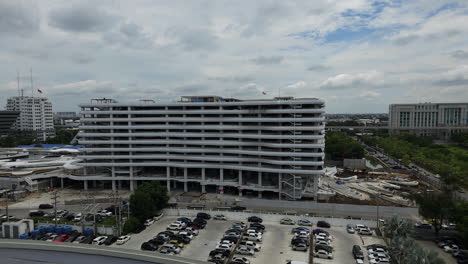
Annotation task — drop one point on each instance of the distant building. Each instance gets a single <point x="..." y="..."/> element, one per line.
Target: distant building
<point x="439" y="120"/>
<point x="35" y="118"/>
<point x="66" y="115"/>
<point x="7" y="120"/>
<point x="207" y="144"/>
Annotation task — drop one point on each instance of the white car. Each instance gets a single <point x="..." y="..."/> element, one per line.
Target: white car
<point x="230" y="243"/>
<point x="240" y="260"/>
<point x="187" y="234"/>
<point x="224" y="246"/>
<point x="174" y="227"/>
<point x="104" y="212"/>
<point x="252" y="231"/>
<point x="377" y="250"/>
<point x="322" y="242"/>
<point x="77" y="217"/>
<point x="171" y="248"/>
<point x="379" y="256"/>
<point x="251" y="245"/>
<point x="122" y="240"/>
<point x="192" y="230"/>
<point x="253" y="237"/>
<point x="379" y="261"/>
<point x="52" y="237"/>
<point x="99" y="240"/>
<point x="323" y="254"/>
<point x="149" y="222"/>
<point x="304" y="222"/>
<point x="287" y="221"/>
<point x="451" y="248"/>
<point x="243" y="250"/>
<point x="219" y="217"/>
<point x="157" y="217"/>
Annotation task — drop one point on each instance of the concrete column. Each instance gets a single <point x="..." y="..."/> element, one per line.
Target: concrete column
<point x="279" y="186"/>
<point x="113" y="186"/>
<point x="260" y="194"/>
<point x="94" y="184"/>
<point x="203" y="188"/>
<point x="119" y="184"/>
<point x="203" y="174"/>
<point x="260" y="178"/>
<point x="240" y="192"/>
<point x="61" y="183"/>
<point x="221" y="189"/>
<point x="85" y="185"/>
<point x="168" y="176"/>
<point x="240" y="177"/>
<point x="221" y="175"/>
<point x="131" y="186"/>
<point x="316" y="185"/>
<point x="185" y="180"/>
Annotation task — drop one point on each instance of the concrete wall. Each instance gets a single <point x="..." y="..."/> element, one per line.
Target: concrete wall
<point x="270" y="217"/>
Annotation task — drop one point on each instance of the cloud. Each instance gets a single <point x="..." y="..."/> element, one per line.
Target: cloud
<point x="233" y="79"/>
<point x="193" y="39"/>
<point x="318" y="68"/>
<point x="82" y="87"/>
<point x="81" y="58"/>
<point x="129" y="35"/>
<point x="263" y="60"/>
<point x="345" y="81"/>
<point x="459" y="54"/>
<point x="297" y="85"/>
<point x="250" y="90"/>
<point x="454" y="77"/>
<point x="82" y="19"/>
<point x="369" y="94"/>
<point x="18" y="17"/>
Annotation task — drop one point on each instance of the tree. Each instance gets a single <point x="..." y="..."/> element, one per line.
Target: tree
<point x="148" y="199"/>
<point x="460" y="138"/>
<point x="339" y="146"/>
<point x="398" y="227"/>
<point x="131" y="225"/>
<point x="435" y="206"/>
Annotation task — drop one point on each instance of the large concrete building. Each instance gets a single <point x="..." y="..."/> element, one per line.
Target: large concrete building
<point x="439" y="120"/>
<point x="273" y="147"/>
<point x="36" y="117"/>
<point x="7" y="120"/>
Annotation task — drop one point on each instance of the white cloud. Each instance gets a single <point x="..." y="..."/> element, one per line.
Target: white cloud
<point x="346" y="80"/>
<point x="297" y="85"/>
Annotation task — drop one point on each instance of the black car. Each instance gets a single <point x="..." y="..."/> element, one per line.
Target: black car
<point x="36" y="213"/>
<point x="238" y="208"/>
<point x="72" y="237"/>
<point x="70" y="217"/>
<point x="182" y="239"/>
<point x="87" y="240"/>
<point x="328" y="249"/>
<point x="256" y="228"/>
<point x="186" y="220"/>
<point x="323" y="224"/>
<point x="149" y="246"/>
<point x="204" y="216"/>
<point x="357" y="252"/>
<point x="232" y="239"/>
<point x="158" y="241"/>
<point x="110" y="240"/>
<point x="46" y="206"/>
<point x="257" y="225"/>
<point x="255" y="219"/>
<point x="296" y="241"/>
<point x="223" y="252"/>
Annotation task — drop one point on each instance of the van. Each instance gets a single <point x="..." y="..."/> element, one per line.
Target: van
<point x="174" y="226"/>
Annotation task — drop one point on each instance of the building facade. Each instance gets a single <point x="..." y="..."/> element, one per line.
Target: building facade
<point x="7" y="120"/>
<point x="207" y="144"/>
<point x="35" y="118"/>
<point x="428" y="119"/>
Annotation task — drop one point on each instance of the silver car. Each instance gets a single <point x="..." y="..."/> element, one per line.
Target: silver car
<point x="350" y="228"/>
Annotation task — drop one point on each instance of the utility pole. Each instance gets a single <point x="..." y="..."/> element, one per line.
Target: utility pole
<point x="54" y="197"/>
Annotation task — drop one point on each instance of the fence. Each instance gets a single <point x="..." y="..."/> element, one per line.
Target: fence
<point x="269" y="217"/>
<point x="103" y="230"/>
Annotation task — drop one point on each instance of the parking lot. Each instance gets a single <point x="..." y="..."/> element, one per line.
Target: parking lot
<point x="275" y="247"/>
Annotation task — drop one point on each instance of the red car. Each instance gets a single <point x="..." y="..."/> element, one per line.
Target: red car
<point x="61" y="238"/>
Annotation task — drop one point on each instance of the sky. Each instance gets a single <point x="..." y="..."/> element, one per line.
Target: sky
<point x="357" y="55"/>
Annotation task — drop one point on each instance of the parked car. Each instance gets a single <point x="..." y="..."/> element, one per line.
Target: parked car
<point x="238" y="208"/>
<point x="323" y="224"/>
<point x="304" y="222"/>
<point x="87" y="240"/>
<point x="240" y="260"/>
<point x="172" y="248"/>
<point x="185" y="220"/>
<point x="255" y="219"/>
<point x="123" y="239"/>
<point x="34" y="213"/>
<point x="253" y="237"/>
<point x="193" y="231"/>
<point x="219" y="217"/>
<point x="365" y="232"/>
<point x="72" y="237"/>
<point x="99" y="240"/>
<point x="451" y="248"/>
<point x="287" y="221"/>
<point x="299" y="229"/>
<point x="158" y="216"/>
<point x="104" y="212"/>
<point x="174" y="226"/>
<point x="324" y="247"/>
<point x="377" y="250"/>
<point x="257" y="225"/>
<point x="61" y="238"/>
<point x="299" y="240"/>
<point x="79" y="239"/>
<point x="251" y="245"/>
<point x="77" y="217"/>
<point x="423" y="225"/>
<point x="300" y="247"/>
<point x="176" y="242"/>
<point x="357" y="252"/>
<point x="222" y="252"/>
<point x="149" y="222"/>
<point x="350" y="228"/>
<point x="243" y="250"/>
<point x="323" y="254"/>
<point x="149" y="246"/>
<point x="318" y="231"/>
<point x="110" y="240"/>
<point x="204" y="216"/>
<point x="46" y="206"/>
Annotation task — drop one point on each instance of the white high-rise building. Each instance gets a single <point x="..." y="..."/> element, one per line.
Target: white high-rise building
<point x="268" y="148"/>
<point x="36" y="117"/>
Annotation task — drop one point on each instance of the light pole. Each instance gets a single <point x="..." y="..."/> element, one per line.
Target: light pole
<point x="377" y="199"/>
